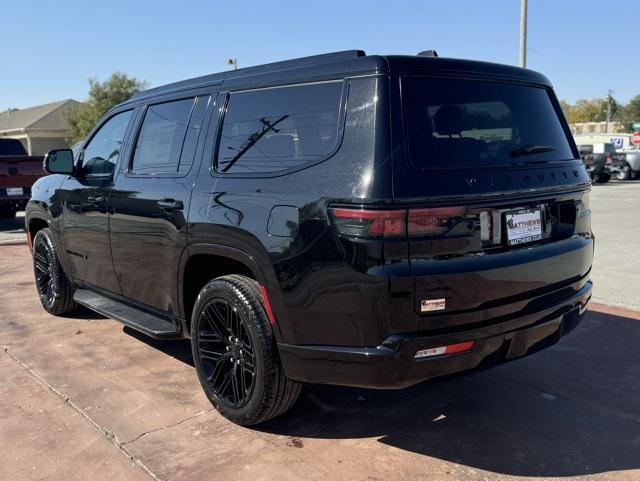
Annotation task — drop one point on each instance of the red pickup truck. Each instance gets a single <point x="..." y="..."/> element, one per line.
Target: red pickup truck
<point x="18" y="172"/>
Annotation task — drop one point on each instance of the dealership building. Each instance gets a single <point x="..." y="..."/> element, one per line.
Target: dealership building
<point x="602" y="132"/>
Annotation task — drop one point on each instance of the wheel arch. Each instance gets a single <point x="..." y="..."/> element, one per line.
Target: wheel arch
<point x="203" y="262"/>
<point x="35" y="223"/>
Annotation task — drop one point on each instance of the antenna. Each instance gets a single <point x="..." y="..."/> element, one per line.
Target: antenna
<point x="428" y="53"/>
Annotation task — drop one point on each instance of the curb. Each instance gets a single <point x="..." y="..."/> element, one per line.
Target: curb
<point x="614" y="310"/>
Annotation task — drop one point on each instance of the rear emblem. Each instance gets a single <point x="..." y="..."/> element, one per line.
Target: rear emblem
<point x="427" y="305"/>
<point x="472" y="181"/>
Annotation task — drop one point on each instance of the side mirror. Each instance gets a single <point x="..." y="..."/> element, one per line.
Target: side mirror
<point x="59" y="161"/>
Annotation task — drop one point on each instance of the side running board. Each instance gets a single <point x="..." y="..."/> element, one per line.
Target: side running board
<point x="137" y="319"/>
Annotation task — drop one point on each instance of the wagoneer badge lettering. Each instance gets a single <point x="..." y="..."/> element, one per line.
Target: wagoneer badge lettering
<point x="427" y="305"/>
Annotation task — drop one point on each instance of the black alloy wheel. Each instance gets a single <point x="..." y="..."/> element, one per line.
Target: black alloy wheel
<point x="235" y="352"/>
<point x="43" y="269"/>
<point x="226" y="352"/>
<point x="54" y="288"/>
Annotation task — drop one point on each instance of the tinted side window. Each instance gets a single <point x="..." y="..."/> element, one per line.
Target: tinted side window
<point x="193" y="133"/>
<point x="161" y="137"/>
<point x="279" y="128"/>
<point x="102" y="152"/>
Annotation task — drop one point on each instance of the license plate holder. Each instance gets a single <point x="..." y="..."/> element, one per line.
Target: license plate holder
<point x="523" y="226"/>
<point x="15" y="191"/>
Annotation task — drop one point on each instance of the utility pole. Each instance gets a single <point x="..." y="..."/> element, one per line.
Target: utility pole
<point x="523" y="33"/>
<point x="609" y="97"/>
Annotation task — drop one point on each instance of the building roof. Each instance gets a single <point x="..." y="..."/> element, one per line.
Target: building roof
<point x="46" y="116"/>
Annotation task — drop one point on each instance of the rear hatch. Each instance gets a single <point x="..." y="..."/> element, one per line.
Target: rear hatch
<point x="496" y="194"/>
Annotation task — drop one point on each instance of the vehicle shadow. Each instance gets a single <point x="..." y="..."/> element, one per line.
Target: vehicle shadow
<point x="84" y="313"/>
<point x="179" y="349"/>
<point x="571" y="410"/>
<point x="13" y="225"/>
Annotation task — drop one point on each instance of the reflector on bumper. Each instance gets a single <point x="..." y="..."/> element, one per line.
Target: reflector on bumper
<point x="445" y="350"/>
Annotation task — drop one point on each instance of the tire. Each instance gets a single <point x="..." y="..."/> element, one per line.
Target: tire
<point x="624" y="174"/>
<point x="235" y="353"/>
<point x="53" y="286"/>
<point x="602" y="178"/>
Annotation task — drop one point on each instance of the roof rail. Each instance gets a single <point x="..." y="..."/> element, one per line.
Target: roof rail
<point x="302" y="61"/>
<point x="296" y="62"/>
<point x="428" y="53"/>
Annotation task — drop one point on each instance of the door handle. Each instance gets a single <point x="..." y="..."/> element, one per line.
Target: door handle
<point x="96" y="198"/>
<point x="170" y="204"/>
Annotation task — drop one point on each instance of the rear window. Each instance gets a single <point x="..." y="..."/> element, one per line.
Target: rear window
<point x="12" y="147"/>
<point x="454" y="123"/>
<point x="276" y="129"/>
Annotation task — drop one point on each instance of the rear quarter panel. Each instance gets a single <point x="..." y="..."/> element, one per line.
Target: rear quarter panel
<point x="314" y="291"/>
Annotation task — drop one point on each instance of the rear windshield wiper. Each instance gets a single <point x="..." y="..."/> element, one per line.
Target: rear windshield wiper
<point x="530" y="149"/>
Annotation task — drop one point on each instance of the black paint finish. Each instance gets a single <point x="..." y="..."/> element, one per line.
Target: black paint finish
<point x="348" y="311"/>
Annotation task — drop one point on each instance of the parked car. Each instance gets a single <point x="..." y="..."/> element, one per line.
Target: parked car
<point x="18" y="171"/>
<point x="629" y="164"/>
<point x="345" y="219"/>
<point x="600" y="160"/>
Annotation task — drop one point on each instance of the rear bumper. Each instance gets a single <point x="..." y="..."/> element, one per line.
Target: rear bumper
<point x="392" y="364"/>
<point x="17" y="202"/>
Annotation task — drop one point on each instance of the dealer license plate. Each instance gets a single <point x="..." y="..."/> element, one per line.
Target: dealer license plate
<point x="523" y="226"/>
<point x="15" y="191"/>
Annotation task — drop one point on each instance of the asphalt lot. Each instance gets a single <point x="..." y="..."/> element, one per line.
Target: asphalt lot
<point x="84" y="398"/>
<point x="616" y="268"/>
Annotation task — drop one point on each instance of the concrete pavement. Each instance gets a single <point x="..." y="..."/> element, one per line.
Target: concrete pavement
<point x="43" y="437"/>
<point x="131" y="408"/>
<point x="12" y="230"/>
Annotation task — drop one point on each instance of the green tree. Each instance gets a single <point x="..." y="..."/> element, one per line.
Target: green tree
<point x="102" y="96"/>
<point x="568" y="110"/>
<point x="615" y="106"/>
<point x="594" y="110"/>
<point x="630" y="113"/>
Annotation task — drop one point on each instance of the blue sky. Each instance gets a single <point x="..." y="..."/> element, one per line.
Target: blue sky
<point x="53" y="47"/>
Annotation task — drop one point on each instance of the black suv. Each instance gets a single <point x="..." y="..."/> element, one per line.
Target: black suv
<point x="348" y="219"/>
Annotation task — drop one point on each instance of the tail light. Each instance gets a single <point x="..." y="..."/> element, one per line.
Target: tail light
<point x="609" y="159"/>
<point x="432" y="222"/>
<point x="397" y="223"/>
<point x="371" y="224"/>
